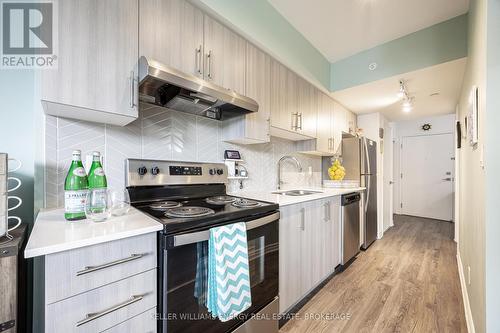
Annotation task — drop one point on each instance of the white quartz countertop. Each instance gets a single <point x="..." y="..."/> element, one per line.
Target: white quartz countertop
<point x="284" y="200"/>
<point x="52" y="233"/>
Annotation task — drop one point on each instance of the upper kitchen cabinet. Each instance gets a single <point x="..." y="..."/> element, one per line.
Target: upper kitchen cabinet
<point x="96" y="77"/>
<point x="171" y="32"/>
<point x="307" y="112"/>
<point x="253" y="127"/>
<point x="325" y="127"/>
<point x="224" y="60"/>
<point x="340" y="125"/>
<point x="289" y="119"/>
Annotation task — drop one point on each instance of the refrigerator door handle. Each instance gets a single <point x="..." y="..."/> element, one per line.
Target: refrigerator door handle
<point x="367" y="156"/>
<point x="367" y="183"/>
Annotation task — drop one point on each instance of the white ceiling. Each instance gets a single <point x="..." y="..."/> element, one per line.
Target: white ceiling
<point x="341" y="28"/>
<point x="381" y="96"/>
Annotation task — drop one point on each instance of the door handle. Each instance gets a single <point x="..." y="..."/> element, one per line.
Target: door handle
<point x="93" y="316"/>
<point x="198" y="60"/>
<point x="447" y="179"/>
<point x="132" y="89"/>
<point x="302" y="219"/>
<point x="90" y="269"/>
<point x="328" y="214"/>
<point x="294" y="121"/>
<point x="209" y="65"/>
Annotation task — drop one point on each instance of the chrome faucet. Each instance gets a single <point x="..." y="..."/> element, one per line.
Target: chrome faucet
<point x="287" y="157"/>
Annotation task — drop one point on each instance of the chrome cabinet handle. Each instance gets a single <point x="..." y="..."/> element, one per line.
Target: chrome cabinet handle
<point x="93" y="316"/>
<point x="209" y="65"/>
<point x="294" y="121"/>
<point x="302" y="219"/>
<point x="198" y="60"/>
<point x="131" y="86"/>
<point x="299" y="116"/>
<point x="90" y="269"/>
<point x="447" y="179"/>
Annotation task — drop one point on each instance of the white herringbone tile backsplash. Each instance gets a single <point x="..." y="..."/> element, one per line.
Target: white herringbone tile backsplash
<point x="169" y="135"/>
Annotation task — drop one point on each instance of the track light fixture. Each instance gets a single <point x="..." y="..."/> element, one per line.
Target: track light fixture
<point x="403" y="94"/>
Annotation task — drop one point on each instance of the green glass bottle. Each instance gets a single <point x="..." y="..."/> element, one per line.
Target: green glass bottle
<point x="97" y="178"/>
<point x="98" y="183"/>
<point x="75" y="189"/>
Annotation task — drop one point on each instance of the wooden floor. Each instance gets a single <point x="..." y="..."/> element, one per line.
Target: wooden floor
<point x="406" y="282"/>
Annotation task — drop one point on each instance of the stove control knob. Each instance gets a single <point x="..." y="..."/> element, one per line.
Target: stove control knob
<point x="142" y="170"/>
<point x="220" y="171"/>
<point x="211" y="172"/>
<point x="155" y="171"/>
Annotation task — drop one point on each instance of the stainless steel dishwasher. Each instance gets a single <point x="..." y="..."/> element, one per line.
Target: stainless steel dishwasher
<point x="350" y="226"/>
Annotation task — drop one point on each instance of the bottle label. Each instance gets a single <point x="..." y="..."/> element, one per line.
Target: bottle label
<point x="74" y="201"/>
<point x="99" y="172"/>
<point x="79" y="172"/>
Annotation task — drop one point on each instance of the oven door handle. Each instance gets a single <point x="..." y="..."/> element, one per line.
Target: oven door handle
<point x="200" y="236"/>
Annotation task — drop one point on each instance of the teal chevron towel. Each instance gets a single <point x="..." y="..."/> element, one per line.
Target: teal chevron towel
<point x="228" y="273"/>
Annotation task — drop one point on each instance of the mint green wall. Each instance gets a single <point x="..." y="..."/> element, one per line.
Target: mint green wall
<point x="439" y="43"/>
<point x="17" y="132"/>
<point x="260" y="22"/>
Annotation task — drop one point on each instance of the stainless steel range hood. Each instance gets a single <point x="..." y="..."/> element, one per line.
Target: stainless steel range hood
<point x="168" y="87"/>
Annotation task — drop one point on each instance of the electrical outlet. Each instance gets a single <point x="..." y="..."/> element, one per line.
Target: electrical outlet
<point x="468" y="275"/>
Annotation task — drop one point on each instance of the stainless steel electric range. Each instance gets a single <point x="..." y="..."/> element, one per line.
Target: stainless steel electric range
<point x="190" y="198"/>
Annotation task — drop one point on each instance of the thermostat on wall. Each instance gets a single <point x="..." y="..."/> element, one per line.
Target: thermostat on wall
<point x="232" y="155"/>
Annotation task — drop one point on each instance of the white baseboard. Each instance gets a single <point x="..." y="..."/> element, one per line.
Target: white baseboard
<point x="465" y="295"/>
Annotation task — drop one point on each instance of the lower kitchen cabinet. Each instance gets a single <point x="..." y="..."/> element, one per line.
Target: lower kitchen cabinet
<point x="309" y="247"/>
<point x="108" y="287"/>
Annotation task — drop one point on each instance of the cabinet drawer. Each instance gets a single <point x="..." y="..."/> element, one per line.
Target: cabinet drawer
<point x="73" y="272"/>
<point x="104" y="307"/>
<point x="145" y="322"/>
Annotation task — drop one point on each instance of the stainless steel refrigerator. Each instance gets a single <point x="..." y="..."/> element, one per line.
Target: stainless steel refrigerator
<point x="359" y="157"/>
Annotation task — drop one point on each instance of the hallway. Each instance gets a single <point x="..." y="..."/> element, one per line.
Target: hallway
<point x="406" y="282"/>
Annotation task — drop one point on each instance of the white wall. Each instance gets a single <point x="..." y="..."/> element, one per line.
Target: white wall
<point x="492" y="167"/>
<point x="371" y="123"/>
<point x="164" y="134"/>
<point x="473" y="231"/>
<point x="440" y="125"/>
<point x="388" y="189"/>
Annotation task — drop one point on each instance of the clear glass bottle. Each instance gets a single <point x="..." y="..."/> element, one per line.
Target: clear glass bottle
<point x="75" y="189"/>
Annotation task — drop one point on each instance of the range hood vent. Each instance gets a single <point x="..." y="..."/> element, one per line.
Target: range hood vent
<point x="170" y="88"/>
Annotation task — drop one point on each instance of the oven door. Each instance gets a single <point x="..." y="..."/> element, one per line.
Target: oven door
<point x="183" y="284"/>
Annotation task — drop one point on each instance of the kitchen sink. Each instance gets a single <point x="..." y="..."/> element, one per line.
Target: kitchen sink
<point x="296" y="193"/>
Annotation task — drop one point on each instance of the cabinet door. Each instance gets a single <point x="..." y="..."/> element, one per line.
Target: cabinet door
<point x="224" y="56"/>
<point x="258" y="87"/>
<point x="339" y="125"/>
<point x="307" y="108"/>
<point x="325" y="123"/>
<point x="284" y="97"/>
<point x="279" y="116"/>
<point x="335" y="243"/>
<point x="98" y="53"/>
<point x="171" y="32"/>
<point x="331" y="232"/>
<point x="290" y="261"/>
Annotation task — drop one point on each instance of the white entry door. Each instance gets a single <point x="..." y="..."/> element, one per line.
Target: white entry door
<point x="427" y="167"/>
